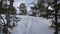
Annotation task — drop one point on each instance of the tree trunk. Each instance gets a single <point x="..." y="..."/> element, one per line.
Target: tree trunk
<point x="56" y="22"/>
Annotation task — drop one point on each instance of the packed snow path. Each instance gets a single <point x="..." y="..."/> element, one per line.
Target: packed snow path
<point x="32" y="25"/>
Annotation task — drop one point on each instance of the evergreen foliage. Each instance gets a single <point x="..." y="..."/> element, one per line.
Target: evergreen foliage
<point x="22" y="9"/>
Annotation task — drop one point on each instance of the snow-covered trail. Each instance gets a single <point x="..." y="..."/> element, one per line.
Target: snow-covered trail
<point x="32" y="25"/>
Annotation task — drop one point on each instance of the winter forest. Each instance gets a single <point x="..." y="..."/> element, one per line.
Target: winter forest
<point x="29" y="16"/>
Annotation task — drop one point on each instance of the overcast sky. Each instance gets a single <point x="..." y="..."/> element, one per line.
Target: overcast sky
<point x="17" y="2"/>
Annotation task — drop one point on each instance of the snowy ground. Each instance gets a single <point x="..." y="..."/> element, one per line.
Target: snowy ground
<point x="33" y="25"/>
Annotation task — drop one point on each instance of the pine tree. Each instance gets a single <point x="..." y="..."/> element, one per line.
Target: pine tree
<point x="0" y="6"/>
<point x="5" y="5"/>
<point x="22" y="9"/>
<point x="8" y="8"/>
<point x="41" y="9"/>
<point x="33" y="11"/>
